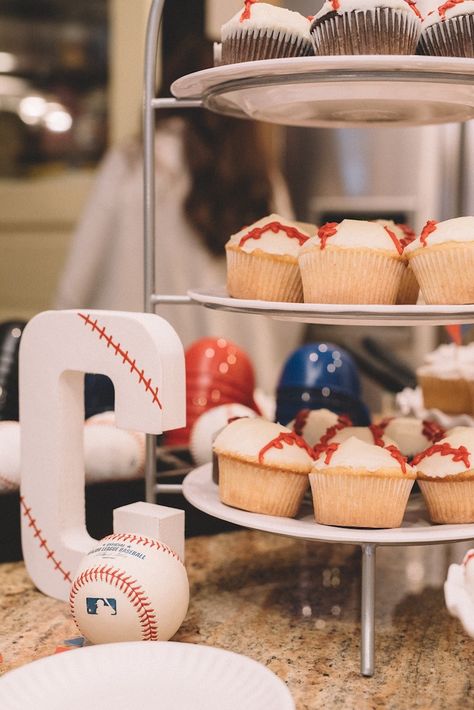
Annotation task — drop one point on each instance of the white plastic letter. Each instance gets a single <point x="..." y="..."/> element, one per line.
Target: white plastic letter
<point x="143" y="356"/>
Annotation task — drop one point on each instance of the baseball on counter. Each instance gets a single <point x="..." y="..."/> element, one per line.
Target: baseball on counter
<point x="129" y="588"/>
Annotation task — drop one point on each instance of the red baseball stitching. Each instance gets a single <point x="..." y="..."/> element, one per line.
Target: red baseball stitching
<point x="130" y="587"/>
<point x="142" y="540"/>
<point x="43" y="542"/>
<point x="124" y="354"/>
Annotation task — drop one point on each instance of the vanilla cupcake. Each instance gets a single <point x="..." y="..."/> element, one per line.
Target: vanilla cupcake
<point x="446" y="379"/>
<point x="316" y="425"/>
<point x="442" y="259"/>
<point x="411" y="435"/>
<point x="360" y="485"/>
<point x="408" y="289"/>
<point x="263" y="467"/>
<point x="448" y="31"/>
<point x="353" y="261"/>
<point x="264" y="31"/>
<point x="445" y="473"/>
<point x="361" y="27"/>
<point x="262" y="261"/>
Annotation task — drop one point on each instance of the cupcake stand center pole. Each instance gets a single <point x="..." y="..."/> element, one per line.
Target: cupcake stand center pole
<point x="413" y="89"/>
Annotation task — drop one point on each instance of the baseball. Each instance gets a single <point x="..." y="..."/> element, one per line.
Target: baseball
<point x="129" y="588"/>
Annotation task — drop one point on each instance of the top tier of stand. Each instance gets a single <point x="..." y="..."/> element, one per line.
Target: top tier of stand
<point x="339" y="91"/>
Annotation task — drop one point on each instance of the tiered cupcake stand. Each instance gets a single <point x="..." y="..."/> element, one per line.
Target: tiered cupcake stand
<point x="319" y="92"/>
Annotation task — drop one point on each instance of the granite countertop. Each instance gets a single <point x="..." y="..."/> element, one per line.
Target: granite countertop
<point x="294" y="606"/>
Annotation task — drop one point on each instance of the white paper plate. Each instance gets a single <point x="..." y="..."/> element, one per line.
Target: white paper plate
<point x="341" y="314"/>
<point x="144" y="676"/>
<point x="201" y="492"/>
<point x="338" y="91"/>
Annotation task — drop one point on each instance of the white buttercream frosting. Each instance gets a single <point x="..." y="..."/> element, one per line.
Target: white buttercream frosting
<point x="209" y="424"/>
<point x="362" y="6"/>
<point x="364" y="433"/>
<point x="316" y="424"/>
<point x="459" y="229"/>
<point x="441" y="13"/>
<point x="269" y="240"/>
<point x="449" y="361"/>
<point x="246" y="438"/>
<point x="355" y="453"/>
<point x="353" y="234"/>
<point x="440" y="461"/>
<point x="264" y="16"/>
<point x="409" y="434"/>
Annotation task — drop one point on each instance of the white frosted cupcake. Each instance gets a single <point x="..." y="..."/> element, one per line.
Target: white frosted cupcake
<point x="362" y="27"/>
<point x="448" y="31"/>
<point x="354" y="261"/>
<point x="408" y="289"/>
<point x="446" y="379"/>
<point x="442" y="259"/>
<point x="316" y="425"/>
<point x="445" y="473"/>
<point x="411" y="435"/>
<point x="262" y="261"/>
<point x="360" y="485"/>
<point x="369" y="434"/>
<point x="263" y="467"/>
<point x="264" y="31"/>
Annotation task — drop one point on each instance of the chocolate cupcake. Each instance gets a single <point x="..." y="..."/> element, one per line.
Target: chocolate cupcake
<point x="448" y="31"/>
<point x="361" y="27"/>
<point x="263" y="31"/>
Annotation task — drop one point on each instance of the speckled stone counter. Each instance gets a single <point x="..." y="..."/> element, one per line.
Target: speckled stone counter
<point x="294" y="606"/>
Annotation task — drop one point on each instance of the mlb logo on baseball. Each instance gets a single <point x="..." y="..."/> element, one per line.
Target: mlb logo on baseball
<point x="99" y="605"/>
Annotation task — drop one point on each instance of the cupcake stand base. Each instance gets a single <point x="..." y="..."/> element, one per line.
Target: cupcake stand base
<point x="200" y="491"/>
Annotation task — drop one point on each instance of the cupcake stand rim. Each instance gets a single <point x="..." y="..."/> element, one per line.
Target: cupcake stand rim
<point x="152" y="300"/>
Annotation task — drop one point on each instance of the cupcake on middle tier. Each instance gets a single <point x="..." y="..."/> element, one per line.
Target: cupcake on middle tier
<point x="262" y="261"/>
<point x="360" y="485"/>
<point x="409" y="289"/>
<point x="354" y="261"/>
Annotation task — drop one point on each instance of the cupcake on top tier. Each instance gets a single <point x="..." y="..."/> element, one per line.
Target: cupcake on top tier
<point x="410" y="434"/>
<point x="445" y="473"/>
<point x="408" y="289"/>
<point x="354" y="261"/>
<point x="264" y="31"/>
<point x="366" y="27"/>
<point x="263" y="467"/>
<point x="448" y="30"/>
<point x="360" y="485"/>
<point x="262" y="260"/>
<point x="443" y="261"/>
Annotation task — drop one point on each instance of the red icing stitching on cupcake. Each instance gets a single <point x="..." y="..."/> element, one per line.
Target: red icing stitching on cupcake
<point x="398" y="456"/>
<point x="246" y="11"/>
<point x="327" y="230"/>
<point x="413" y="6"/>
<point x="328" y="449"/>
<point x="289" y="438"/>
<point x="300" y="421"/>
<point x="394" y="239"/>
<point x="459" y="454"/>
<point x="429" y="227"/>
<point x="432" y="431"/>
<point x="275" y="227"/>
<point x="409" y="237"/>
<point x="442" y="9"/>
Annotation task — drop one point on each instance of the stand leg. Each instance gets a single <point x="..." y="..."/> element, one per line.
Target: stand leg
<point x="367" y="611"/>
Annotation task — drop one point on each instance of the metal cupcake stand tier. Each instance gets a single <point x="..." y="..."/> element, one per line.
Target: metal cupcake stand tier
<point x="320" y="92"/>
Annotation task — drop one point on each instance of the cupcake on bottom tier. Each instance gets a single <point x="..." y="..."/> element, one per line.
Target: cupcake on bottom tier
<point x="263" y="467"/>
<point x="360" y="485"/>
<point x="445" y="473"/>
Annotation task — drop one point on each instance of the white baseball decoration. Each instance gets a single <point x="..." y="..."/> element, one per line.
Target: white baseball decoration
<point x="144" y="358"/>
<point x="129" y="588"/>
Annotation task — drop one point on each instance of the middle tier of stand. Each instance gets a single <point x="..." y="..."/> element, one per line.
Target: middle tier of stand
<point x="336" y="314"/>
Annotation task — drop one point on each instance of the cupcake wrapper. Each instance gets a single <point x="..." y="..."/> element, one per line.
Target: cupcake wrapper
<point x="445" y="273"/>
<point x="449" y="395"/>
<point x="449" y="501"/>
<point x="247" y="46"/>
<point x="350" y="276"/>
<point x="359" y="501"/>
<point x="261" y="277"/>
<point x="259" y="489"/>
<point x="408" y="290"/>
<point x="376" y="31"/>
<point x="450" y="38"/>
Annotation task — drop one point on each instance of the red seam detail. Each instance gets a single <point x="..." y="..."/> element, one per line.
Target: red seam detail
<point x="141" y="540"/>
<point x="44" y="544"/>
<point x="124" y="354"/>
<point x="137" y="595"/>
